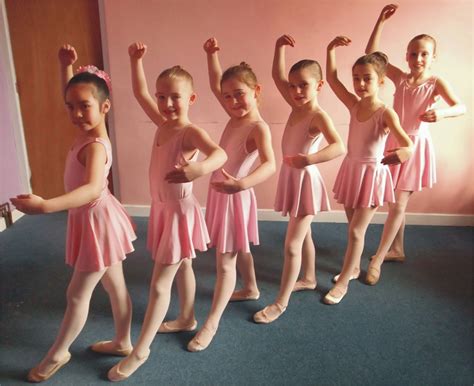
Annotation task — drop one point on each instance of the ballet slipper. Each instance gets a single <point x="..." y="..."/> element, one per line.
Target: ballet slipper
<point x="116" y="375"/>
<point x="392" y="258"/>
<point x="198" y="343"/>
<point x="262" y="316"/>
<point x="335" y="295"/>
<point x="103" y="347"/>
<point x="167" y="327"/>
<point x="35" y="376"/>
<point x="242" y="296"/>
<point x="302" y="285"/>
<point x="373" y="275"/>
<point x="355" y="275"/>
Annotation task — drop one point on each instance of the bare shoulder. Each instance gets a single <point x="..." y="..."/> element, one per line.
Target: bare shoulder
<point x="320" y="121"/>
<point x="389" y="115"/>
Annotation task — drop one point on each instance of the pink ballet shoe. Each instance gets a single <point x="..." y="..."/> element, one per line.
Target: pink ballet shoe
<point x="167" y="328"/>
<point x="103" y="347"/>
<point x="301" y="285"/>
<point x="242" y="296"/>
<point x="198" y="343"/>
<point x="373" y="275"/>
<point x="264" y="317"/>
<point x="116" y="375"/>
<point x="355" y="275"/>
<point x="335" y="295"/>
<point x="392" y="258"/>
<point x="35" y="376"/>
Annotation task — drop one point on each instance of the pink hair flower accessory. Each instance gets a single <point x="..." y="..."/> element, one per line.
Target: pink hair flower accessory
<point x="94" y="70"/>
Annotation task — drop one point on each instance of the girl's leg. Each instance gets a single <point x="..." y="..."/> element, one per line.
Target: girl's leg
<point x="308" y="265"/>
<point x="392" y="225"/>
<point x="359" y="222"/>
<point x="78" y="295"/>
<point x="113" y="282"/>
<point x="225" y="285"/>
<point x="295" y="235"/>
<point x="246" y="269"/>
<point x="397" y="249"/>
<point x="186" y="283"/>
<point x="158" y="303"/>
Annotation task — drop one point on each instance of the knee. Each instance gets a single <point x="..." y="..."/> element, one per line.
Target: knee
<point x="397" y="208"/>
<point x="356" y="234"/>
<point x="292" y="251"/>
<point x="226" y="267"/>
<point x="74" y="299"/>
<point x="158" y="290"/>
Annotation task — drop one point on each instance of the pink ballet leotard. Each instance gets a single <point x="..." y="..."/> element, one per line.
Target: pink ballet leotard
<point x="300" y="192"/>
<point x="363" y="181"/>
<point x="410" y="102"/>
<point x="100" y="233"/>
<point x="232" y="218"/>
<point x="176" y="226"/>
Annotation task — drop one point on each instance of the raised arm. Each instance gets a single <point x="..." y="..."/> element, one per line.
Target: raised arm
<point x="95" y="159"/>
<point x="401" y="154"/>
<point x="67" y="57"/>
<point x="279" y="67"/>
<point x="339" y="89"/>
<point x="455" y="109"/>
<point x="394" y="73"/>
<point x="137" y="51"/>
<point x="214" y="69"/>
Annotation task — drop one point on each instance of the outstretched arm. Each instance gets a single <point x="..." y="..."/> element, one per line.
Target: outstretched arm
<point x="214" y="69"/>
<point x="137" y="51"/>
<point x="279" y="68"/>
<point x="394" y="73"/>
<point x="95" y="159"/>
<point x="67" y="57"/>
<point x="455" y="109"/>
<point x="334" y="148"/>
<point x="339" y="89"/>
<point x="401" y="154"/>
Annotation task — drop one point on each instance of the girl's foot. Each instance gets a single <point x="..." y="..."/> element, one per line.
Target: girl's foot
<point x="304" y="285"/>
<point x="335" y="295"/>
<point x="243" y="295"/>
<point x="126" y="367"/>
<point x="269" y="313"/>
<point x="108" y="347"/>
<point x="177" y="326"/>
<point x="373" y="273"/>
<point x="355" y="275"/>
<point x="395" y="256"/>
<point x="202" y="339"/>
<point x="44" y="371"/>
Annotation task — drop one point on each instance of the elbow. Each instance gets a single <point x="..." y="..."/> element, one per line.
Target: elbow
<point x="341" y="149"/>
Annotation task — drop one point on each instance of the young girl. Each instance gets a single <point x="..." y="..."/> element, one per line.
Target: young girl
<point x="176" y="226"/>
<point x="363" y="182"/>
<point x="415" y="94"/>
<point x="99" y="232"/>
<point x="301" y="192"/>
<point x="231" y="211"/>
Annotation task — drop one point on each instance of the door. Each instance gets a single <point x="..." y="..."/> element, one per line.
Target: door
<point x="37" y="29"/>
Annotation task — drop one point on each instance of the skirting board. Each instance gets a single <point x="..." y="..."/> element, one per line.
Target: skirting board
<point x="339" y="216"/>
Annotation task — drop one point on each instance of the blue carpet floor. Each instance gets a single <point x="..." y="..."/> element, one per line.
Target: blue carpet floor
<point x="413" y="328"/>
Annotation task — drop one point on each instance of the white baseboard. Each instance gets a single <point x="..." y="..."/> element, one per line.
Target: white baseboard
<point x="338" y="216"/>
<point x="16" y="214"/>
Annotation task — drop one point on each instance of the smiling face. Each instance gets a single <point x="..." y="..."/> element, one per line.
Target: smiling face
<point x="85" y="110"/>
<point x="365" y="79"/>
<point x="420" y="55"/>
<point x="303" y="86"/>
<point x="239" y="98"/>
<point x="174" y="96"/>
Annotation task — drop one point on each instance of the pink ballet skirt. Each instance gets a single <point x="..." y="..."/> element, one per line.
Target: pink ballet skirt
<point x="363" y="181"/>
<point x="176" y="226"/>
<point x="300" y="192"/>
<point x="410" y="102"/>
<point x="232" y="218"/>
<point x="100" y="233"/>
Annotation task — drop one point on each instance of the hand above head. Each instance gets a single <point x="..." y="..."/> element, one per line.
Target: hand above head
<point x="432" y="115"/>
<point x="297" y="161"/>
<point x="387" y="12"/>
<point x="29" y="203"/>
<point x="184" y="173"/>
<point x="339" y="41"/>
<point x="397" y="156"/>
<point x="285" y="40"/>
<point x="67" y="55"/>
<point x="211" y="46"/>
<point x="137" y="50"/>
<point x="230" y="185"/>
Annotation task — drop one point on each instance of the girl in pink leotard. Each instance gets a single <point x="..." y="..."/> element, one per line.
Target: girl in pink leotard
<point x="415" y="94"/>
<point x="231" y="211"/>
<point x="301" y="192"/>
<point x="363" y="182"/>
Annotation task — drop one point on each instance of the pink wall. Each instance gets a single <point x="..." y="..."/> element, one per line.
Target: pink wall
<point x="175" y="30"/>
